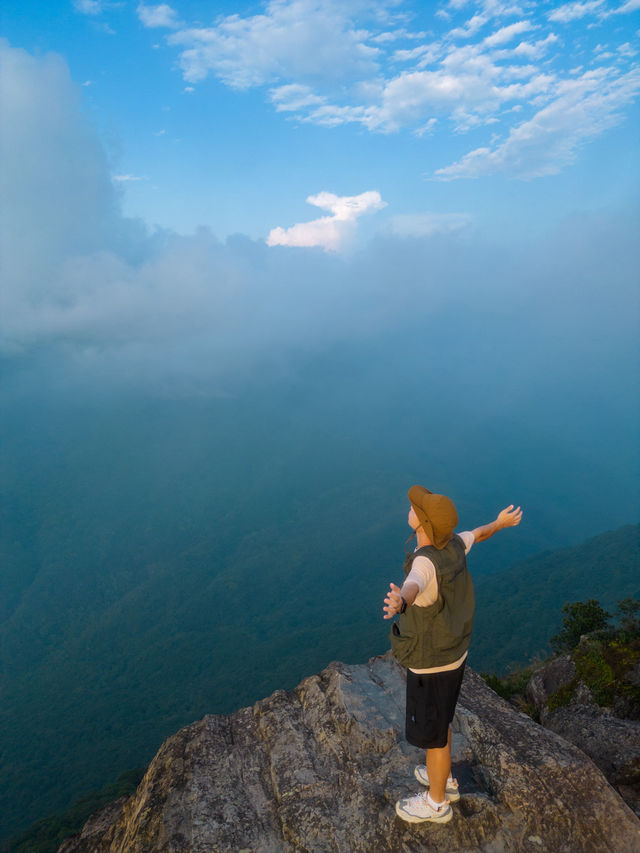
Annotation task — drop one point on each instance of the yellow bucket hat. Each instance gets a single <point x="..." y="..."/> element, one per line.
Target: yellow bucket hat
<point x="436" y="513"/>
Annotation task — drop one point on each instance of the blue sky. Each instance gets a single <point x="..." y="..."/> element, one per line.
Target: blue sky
<point x="493" y="115"/>
<point x="202" y="189"/>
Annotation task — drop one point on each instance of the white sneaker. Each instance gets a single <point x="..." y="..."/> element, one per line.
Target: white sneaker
<point x="453" y="795"/>
<point x="417" y="809"/>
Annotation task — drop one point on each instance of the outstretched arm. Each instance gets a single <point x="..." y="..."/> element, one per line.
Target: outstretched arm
<point x="509" y="517"/>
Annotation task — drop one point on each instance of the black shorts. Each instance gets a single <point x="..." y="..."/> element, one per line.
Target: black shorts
<point x="431" y="704"/>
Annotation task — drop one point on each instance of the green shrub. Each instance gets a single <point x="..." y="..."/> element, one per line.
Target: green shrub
<point x="562" y="697"/>
<point x="582" y="617"/>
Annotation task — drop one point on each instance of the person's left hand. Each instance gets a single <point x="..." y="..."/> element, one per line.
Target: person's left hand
<point x="393" y="602"/>
<point x="509" y="517"/>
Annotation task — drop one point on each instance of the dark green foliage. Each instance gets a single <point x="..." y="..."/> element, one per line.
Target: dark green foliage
<point x="497" y="685"/>
<point x="604" y="658"/>
<point x="582" y="617"/>
<point x="514" y="683"/>
<point x="46" y="835"/>
<point x="629" y="610"/>
<point x="562" y="696"/>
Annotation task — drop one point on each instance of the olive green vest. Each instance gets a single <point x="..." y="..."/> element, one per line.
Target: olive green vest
<point x="425" y="637"/>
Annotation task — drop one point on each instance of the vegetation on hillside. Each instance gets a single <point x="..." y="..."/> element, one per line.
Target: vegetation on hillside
<point x="519" y="609"/>
<point x="605" y="657"/>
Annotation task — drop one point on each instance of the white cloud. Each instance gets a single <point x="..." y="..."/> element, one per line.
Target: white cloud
<point x="96" y="293"/>
<point x="292" y="40"/>
<point x="626" y="50"/>
<point x="427" y="128"/>
<point x="128" y="178"/>
<point x="158" y="16"/>
<point x="501" y="9"/>
<point x="395" y="35"/>
<point x="329" y="232"/>
<point x="335" y="62"/>
<point x="534" y="50"/>
<point x="489" y="9"/>
<point x="574" y="11"/>
<point x="416" y="53"/>
<point x="332" y="115"/>
<point x="583" y="108"/>
<point x="294" y="96"/>
<point x="629" y="6"/>
<point x="468" y="87"/>
<point x="470" y="28"/>
<point x="89" y="7"/>
<point x="505" y="34"/>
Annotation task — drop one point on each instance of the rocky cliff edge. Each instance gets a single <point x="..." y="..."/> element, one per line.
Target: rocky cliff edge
<point x="320" y="769"/>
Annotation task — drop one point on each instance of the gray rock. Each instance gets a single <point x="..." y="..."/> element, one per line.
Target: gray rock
<point x="548" y="680"/>
<point x="320" y="769"/>
<point x="634" y="675"/>
<point x="611" y="743"/>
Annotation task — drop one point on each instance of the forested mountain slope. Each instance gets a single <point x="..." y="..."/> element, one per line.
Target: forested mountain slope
<point x="519" y="609"/>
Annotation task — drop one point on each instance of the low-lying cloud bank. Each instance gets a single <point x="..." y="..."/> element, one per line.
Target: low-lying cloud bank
<point x="82" y="282"/>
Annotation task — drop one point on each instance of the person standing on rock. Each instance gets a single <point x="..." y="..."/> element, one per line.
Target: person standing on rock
<point x="431" y="638"/>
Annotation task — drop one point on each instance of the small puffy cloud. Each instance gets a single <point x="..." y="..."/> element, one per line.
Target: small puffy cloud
<point x="582" y="109"/>
<point x="294" y="96"/>
<point x="328" y="232"/>
<point x="574" y="11"/>
<point x="505" y="34"/>
<point x="158" y="16"/>
<point x="626" y="50"/>
<point x="536" y="49"/>
<point x="470" y="28"/>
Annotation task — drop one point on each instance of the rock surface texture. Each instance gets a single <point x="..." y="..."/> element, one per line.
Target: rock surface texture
<point x="612" y="743"/>
<point x="320" y="769"/>
<point x="559" y="673"/>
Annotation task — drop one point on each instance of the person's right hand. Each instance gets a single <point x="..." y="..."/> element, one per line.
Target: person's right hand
<point x="393" y="602"/>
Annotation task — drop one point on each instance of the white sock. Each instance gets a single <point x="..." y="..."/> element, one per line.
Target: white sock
<point x="433" y="803"/>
